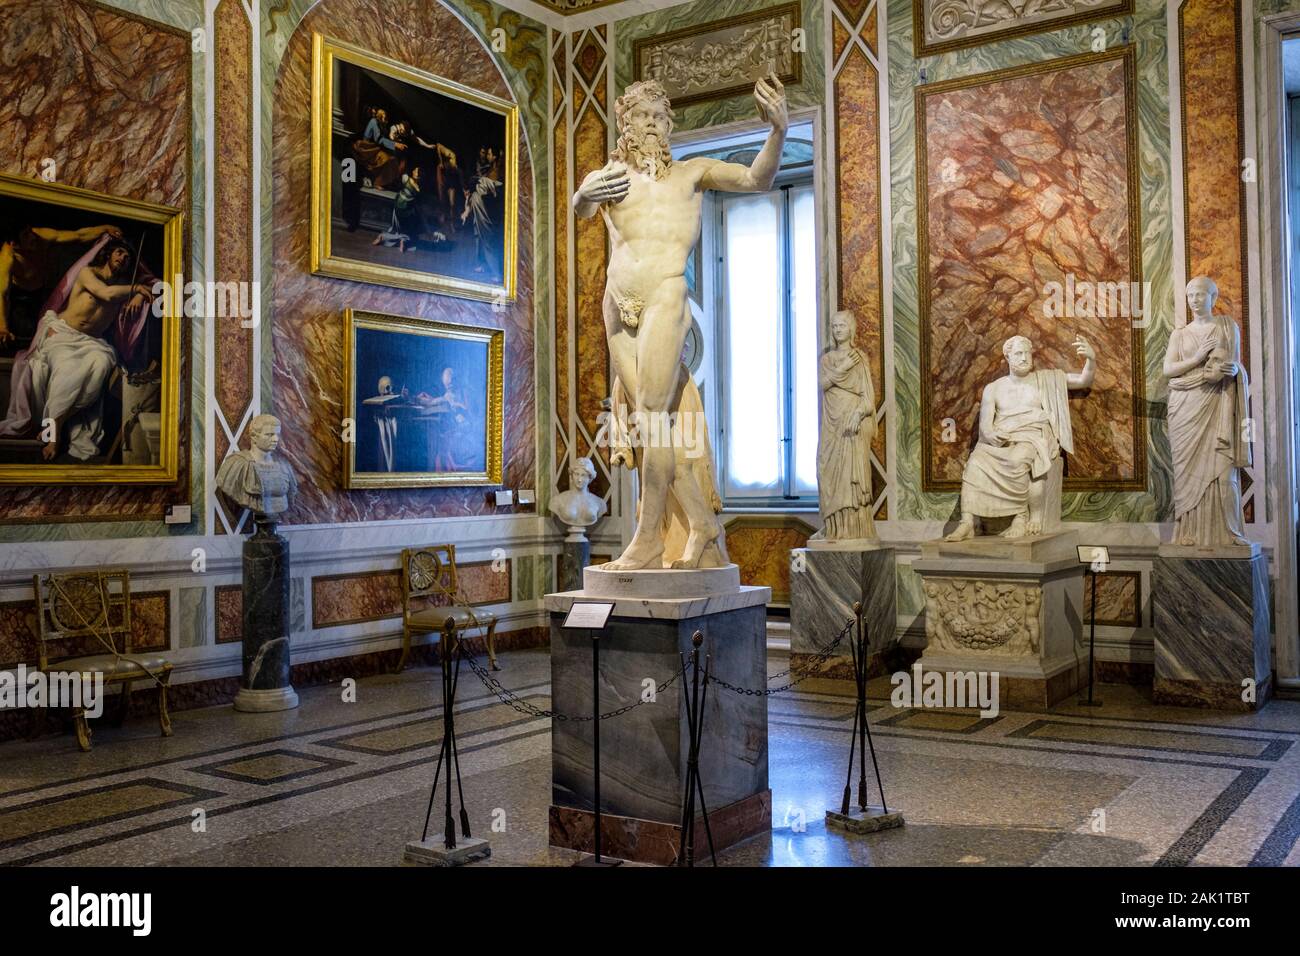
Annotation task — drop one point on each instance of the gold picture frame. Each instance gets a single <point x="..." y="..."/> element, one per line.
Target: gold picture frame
<point x="438" y="431"/>
<point x="327" y="54"/>
<point x="164" y="227"/>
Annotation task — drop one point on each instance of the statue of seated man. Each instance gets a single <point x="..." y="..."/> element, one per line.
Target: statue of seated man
<point x="1024" y="426"/>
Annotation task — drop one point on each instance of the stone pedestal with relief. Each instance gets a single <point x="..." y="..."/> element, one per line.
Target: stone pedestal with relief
<point x="1007" y="605"/>
<point x="644" y="751"/>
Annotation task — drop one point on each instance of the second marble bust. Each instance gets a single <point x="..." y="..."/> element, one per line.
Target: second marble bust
<point x="254" y="479"/>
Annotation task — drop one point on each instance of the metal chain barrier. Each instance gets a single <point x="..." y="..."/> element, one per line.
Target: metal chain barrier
<point x="519" y="705"/>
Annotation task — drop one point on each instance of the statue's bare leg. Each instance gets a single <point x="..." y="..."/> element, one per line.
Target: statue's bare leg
<point x="648" y="364"/>
<point x="965" y="528"/>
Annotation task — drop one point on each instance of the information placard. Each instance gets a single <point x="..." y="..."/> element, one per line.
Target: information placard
<point x="1097" y="555"/>
<point x="588" y="615"/>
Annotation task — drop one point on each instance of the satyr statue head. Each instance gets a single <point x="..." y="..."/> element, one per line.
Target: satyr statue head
<point x="1202" y="294"/>
<point x="1019" y="353"/>
<point x="844" y="326"/>
<point x="645" y="122"/>
<point x="264" y="430"/>
<point x="581" y="474"/>
<point x="385" y="385"/>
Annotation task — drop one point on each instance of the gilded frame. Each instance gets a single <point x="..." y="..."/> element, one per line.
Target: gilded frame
<point x="325" y="52"/>
<point x="1126" y="54"/>
<point x="793" y="10"/>
<point x="920" y="47"/>
<point x="493" y="409"/>
<point x="172" y="222"/>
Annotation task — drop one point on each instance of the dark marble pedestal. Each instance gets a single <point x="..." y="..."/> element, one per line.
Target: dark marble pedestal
<point x="264" y="685"/>
<point x="575" y="556"/>
<point x="1212" y="629"/>
<point x="644" y="751"/>
<point x="825" y="583"/>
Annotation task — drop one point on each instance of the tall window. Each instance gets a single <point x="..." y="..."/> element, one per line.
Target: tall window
<point x="767" y="344"/>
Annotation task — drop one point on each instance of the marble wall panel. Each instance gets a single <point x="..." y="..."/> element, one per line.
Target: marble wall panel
<point x="150" y="630"/>
<point x="307" y="330"/>
<point x="1119" y="599"/>
<point x="105" y="94"/>
<point x="761" y="547"/>
<point x="352" y="598"/>
<point x="1026" y="178"/>
<point x="1213" y="145"/>
<point x="230" y="613"/>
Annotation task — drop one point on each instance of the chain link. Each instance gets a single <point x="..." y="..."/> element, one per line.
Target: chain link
<point x="521" y="706"/>
<point x="821" y="657"/>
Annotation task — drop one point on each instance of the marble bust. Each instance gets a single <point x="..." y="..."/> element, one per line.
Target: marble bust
<point x="1208" y="411"/>
<point x="651" y="207"/>
<point x="1014" y="470"/>
<point x="254" y="479"/>
<point x="579" y="508"/>
<point x="848" y="425"/>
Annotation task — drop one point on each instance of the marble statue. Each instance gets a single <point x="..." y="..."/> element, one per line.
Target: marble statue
<point x="1023" y="428"/>
<point x="578" y="508"/>
<point x="1208" y="415"/>
<point x="848" y="425"/>
<point x="254" y="479"/>
<point x="651" y="207"/>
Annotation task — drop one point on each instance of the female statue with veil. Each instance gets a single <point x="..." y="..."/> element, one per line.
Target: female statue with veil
<point x="848" y="425"/>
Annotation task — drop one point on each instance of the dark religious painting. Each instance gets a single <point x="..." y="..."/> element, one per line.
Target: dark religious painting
<point x="425" y="400"/>
<point x="414" y="177"/>
<point x="89" y="336"/>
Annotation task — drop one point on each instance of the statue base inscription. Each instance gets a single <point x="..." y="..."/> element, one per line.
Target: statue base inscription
<point x="643" y="752"/>
<point x="1017" y="614"/>
<point x="1212" y="629"/>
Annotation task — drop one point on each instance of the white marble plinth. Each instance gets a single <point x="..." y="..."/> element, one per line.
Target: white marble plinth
<point x="266" y="701"/>
<point x="660" y="582"/>
<point x="1056" y="546"/>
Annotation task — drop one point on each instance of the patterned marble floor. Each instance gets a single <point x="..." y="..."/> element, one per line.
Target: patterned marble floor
<point x="337" y="783"/>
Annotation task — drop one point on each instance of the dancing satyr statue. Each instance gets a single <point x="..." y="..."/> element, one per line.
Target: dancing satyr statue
<point x="651" y="207"/>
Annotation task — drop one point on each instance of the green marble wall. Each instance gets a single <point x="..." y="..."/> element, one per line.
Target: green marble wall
<point x="1147" y="31"/>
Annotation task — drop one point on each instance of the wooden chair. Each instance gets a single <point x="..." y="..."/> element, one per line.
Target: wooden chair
<point x="429" y="579"/>
<point x="93" y="610"/>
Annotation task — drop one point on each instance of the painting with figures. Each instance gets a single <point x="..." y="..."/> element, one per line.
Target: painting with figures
<point x="425" y="400"/>
<point x="89" y="339"/>
<point x="415" y="178"/>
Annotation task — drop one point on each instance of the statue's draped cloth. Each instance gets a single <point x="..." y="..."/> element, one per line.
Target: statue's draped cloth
<point x="844" y="464"/>
<point x="1206" y="435"/>
<point x="995" y="483"/>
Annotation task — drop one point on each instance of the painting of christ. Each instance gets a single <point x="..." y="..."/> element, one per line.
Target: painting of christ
<point x="89" y="347"/>
<point x="416" y="178"/>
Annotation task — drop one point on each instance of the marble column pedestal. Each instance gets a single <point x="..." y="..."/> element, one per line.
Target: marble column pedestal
<point x="1007" y="606"/>
<point x="825" y="582"/>
<point x="644" y="751"/>
<point x="1211" y="617"/>
<point x="264" y="685"/>
<point x="575" y="556"/>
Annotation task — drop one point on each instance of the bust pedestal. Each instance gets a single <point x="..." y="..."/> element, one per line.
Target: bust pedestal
<point x="1007" y="605"/>
<point x="1212" y="627"/>
<point x="644" y="751"/>
<point x="264" y="685"/>
<point x="826" y="579"/>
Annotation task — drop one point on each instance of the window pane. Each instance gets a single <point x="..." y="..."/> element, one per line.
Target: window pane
<point x="754" y="427"/>
<point x="803" y="311"/>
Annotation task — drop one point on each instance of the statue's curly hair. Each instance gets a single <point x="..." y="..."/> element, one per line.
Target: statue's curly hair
<point x="643" y="91"/>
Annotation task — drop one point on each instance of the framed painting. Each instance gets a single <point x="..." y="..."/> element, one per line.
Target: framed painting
<point x="90" y="337"/>
<point x="415" y="179"/>
<point x="425" y="400"/>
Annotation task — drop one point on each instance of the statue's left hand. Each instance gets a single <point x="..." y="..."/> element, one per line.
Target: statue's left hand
<point x="769" y="94"/>
<point x="1084" y="350"/>
<point x="1229" y="369"/>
